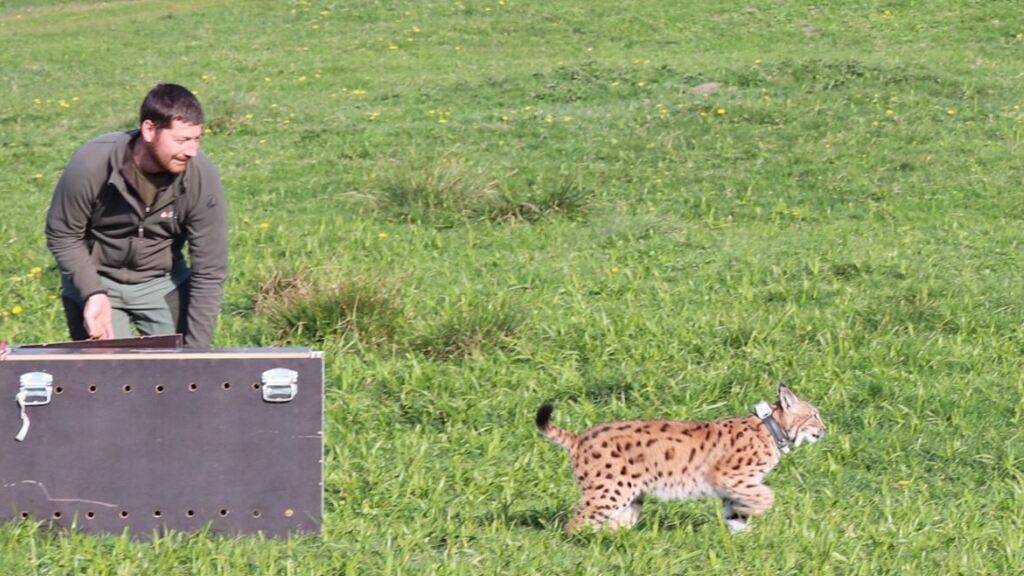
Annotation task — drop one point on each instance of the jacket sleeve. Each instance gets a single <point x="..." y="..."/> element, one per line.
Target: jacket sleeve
<point x="207" y="232"/>
<point x="68" y="217"/>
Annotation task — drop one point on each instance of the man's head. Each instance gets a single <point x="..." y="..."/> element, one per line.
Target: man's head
<point x="171" y="123"/>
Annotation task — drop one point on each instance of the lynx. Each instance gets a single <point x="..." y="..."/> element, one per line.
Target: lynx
<point x="617" y="464"/>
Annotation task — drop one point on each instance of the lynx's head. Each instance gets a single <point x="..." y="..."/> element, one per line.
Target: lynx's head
<point x="799" y="419"/>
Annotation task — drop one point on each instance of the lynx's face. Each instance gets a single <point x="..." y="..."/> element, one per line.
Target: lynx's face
<point x="800" y="419"/>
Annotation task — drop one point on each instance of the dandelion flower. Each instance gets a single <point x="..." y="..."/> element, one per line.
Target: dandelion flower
<point x="38" y="175"/>
<point x="382" y="235"/>
<point x="16" y="309"/>
<point x="264" y="225"/>
<point x="720" y="111"/>
<point x="890" y="112"/>
<point x="64" y="104"/>
<point x="951" y="112"/>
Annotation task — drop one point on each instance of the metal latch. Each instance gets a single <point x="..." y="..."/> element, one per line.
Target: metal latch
<point x="280" y="385"/>
<point x="36" y="388"/>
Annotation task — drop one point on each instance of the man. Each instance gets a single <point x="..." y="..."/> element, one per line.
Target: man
<point x="121" y="213"/>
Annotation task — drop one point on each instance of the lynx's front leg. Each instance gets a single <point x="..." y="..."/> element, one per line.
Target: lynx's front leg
<point x="742" y="501"/>
<point x="734" y="521"/>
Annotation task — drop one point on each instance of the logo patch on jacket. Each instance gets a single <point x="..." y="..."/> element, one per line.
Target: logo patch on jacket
<point x="167" y="213"/>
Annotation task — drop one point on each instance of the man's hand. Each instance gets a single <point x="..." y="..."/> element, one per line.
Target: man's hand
<point x="98" y="317"/>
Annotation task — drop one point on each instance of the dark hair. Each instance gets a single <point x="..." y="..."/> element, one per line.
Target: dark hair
<point x="166" y="103"/>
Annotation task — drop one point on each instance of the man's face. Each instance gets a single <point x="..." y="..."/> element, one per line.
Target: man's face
<point x="172" y="147"/>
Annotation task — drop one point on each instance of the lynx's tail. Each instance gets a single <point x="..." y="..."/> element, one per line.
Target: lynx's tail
<point x="563" y="438"/>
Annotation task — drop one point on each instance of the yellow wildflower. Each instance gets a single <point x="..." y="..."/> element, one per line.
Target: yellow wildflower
<point x="720" y="111"/>
<point x="382" y="235"/>
<point x="264" y="225"/>
<point x="951" y="112"/>
<point x="16" y="309"/>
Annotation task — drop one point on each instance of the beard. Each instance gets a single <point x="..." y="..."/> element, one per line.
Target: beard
<point x="170" y="164"/>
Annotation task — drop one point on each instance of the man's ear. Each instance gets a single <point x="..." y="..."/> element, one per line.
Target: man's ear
<point x="787" y="399"/>
<point x="148" y="130"/>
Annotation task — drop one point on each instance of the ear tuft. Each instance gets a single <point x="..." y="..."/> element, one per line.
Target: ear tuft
<point x="787" y="399"/>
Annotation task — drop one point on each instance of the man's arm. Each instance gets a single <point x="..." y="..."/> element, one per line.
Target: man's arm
<point x="207" y="235"/>
<point x="67" y="219"/>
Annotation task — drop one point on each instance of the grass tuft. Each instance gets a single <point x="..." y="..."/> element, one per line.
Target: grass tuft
<point x="441" y="193"/>
<point x="468" y="330"/>
<point x="304" y="307"/>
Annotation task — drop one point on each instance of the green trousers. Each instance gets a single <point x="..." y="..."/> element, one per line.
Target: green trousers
<point x="150" y="308"/>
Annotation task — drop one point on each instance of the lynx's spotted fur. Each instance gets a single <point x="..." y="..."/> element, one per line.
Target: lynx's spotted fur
<point x="618" y="463"/>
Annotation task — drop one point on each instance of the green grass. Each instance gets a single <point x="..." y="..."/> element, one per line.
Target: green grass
<point x="537" y="208"/>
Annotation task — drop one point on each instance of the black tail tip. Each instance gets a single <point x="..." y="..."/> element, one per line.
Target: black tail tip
<point x="544" y="415"/>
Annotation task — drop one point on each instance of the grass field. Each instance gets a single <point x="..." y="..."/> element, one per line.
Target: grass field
<point x="473" y="207"/>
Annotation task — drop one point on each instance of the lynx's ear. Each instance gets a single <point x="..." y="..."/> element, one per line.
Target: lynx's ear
<point x="787" y="399"/>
